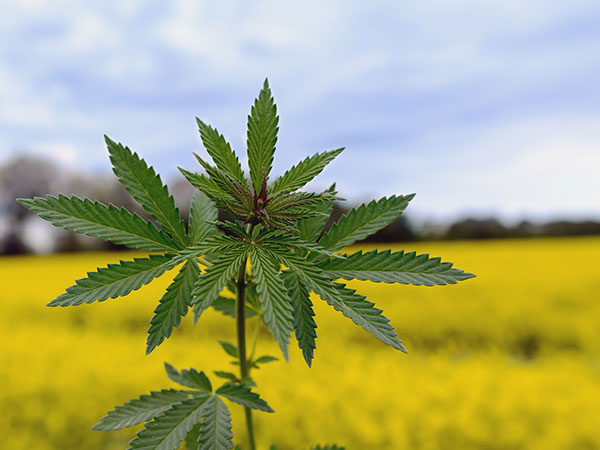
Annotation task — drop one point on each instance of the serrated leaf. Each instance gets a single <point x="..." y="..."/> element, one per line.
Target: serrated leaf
<point x="210" y="189"/>
<point x="364" y="221"/>
<point x="115" y="280"/>
<point x="244" y="396"/>
<point x="229" y="348"/>
<point x="142" y="182"/>
<point x="305" y="327"/>
<point x="303" y="172"/>
<point x="397" y="267"/>
<point x="202" y="215"/>
<point x="140" y="409"/>
<point x="220" y="151"/>
<point x="363" y="313"/>
<point x="226" y="375"/>
<point x="109" y="223"/>
<point x="191" y="438"/>
<point x="173" y="305"/>
<point x="215" y="278"/>
<point x="215" y="430"/>
<point x="274" y="301"/>
<point x="189" y="378"/>
<point x="311" y="229"/>
<point x="167" y="431"/>
<point x="262" y="136"/>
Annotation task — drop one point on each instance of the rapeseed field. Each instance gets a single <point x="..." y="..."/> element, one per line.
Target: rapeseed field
<point x="509" y="360"/>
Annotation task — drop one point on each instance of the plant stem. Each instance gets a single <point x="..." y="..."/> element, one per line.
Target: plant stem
<point x="241" y="335"/>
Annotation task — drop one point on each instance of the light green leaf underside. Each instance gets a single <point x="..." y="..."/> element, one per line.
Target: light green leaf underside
<point x="397" y="267"/>
<point x="173" y="305"/>
<point x="262" y="135"/>
<point x="215" y="278"/>
<point x="274" y="301"/>
<point x="140" y="409"/>
<point x="202" y="213"/>
<point x="364" y="221"/>
<point x="220" y="151"/>
<point x="115" y="280"/>
<point x="244" y="396"/>
<point x="109" y="223"/>
<point x="215" y="430"/>
<point x="142" y="182"/>
<point x="304" y="322"/>
<point x="189" y="378"/>
<point x="167" y="431"/>
<point x="303" y="172"/>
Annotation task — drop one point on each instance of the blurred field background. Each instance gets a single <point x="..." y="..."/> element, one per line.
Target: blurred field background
<point x="508" y="360"/>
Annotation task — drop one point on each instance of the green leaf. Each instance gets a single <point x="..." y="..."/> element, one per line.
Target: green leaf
<point x="262" y="136"/>
<point x="305" y="327"/>
<point x="109" y="223"/>
<point x="189" y="377"/>
<point x="363" y="313"/>
<point x="303" y="172"/>
<point x="191" y="438"/>
<point x="397" y="267"/>
<point x="364" y="221"/>
<point x="221" y="198"/>
<point x="227" y="375"/>
<point x="220" y="151"/>
<point x="227" y="307"/>
<point x="229" y="348"/>
<point x="115" y="280"/>
<point x="173" y="305"/>
<point x="215" y="278"/>
<point x="215" y="430"/>
<point x="202" y="213"/>
<point x="168" y="430"/>
<point x="244" y="396"/>
<point x="146" y="187"/>
<point x="311" y="229"/>
<point x="140" y="409"/>
<point x="264" y="359"/>
<point x="274" y="301"/>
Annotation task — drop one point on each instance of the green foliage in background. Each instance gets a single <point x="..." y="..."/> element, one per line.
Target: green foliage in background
<point x="270" y="253"/>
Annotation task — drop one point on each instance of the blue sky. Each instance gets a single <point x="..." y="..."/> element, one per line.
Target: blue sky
<point x="478" y="107"/>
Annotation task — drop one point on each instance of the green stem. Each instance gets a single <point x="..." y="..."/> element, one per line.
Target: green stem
<point x="241" y="335"/>
<point x="255" y="338"/>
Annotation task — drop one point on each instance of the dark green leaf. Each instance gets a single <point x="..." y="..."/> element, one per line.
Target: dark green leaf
<point x="189" y="377"/>
<point x="191" y="438"/>
<point x="140" y="409"/>
<point x="244" y="396"/>
<point x="262" y="136"/>
<point x="173" y="305"/>
<point x="397" y="267"/>
<point x="311" y="229"/>
<point x="226" y="375"/>
<point x="215" y="430"/>
<point x="364" y="221"/>
<point x="115" y="280"/>
<point x="202" y="213"/>
<point x="109" y="223"/>
<point x="227" y="307"/>
<point x="147" y="188"/>
<point x="229" y="348"/>
<point x="265" y="359"/>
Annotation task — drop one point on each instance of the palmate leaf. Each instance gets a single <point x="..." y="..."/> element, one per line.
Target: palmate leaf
<point x="274" y="301"/>
<point x="220" y="151"/>
<point x="215" y="430"/>
<point x="109" y="223"/>
<point x="115" y="280"/>
<point x="303" y="172"/>
<point x="305" y="327"/>
<point x="354" y="306"/>
<point x="189" y="378"/>
<point x="215" y="278"/>
<point x="311" y="229"/>
<point x="142" y="182"/>
<point x="173" y="305"/>
<point x="202" y="213"/>
<point x="242" y="395"/>
<point x="262" y="136"/>
<point x="364" y="221"/>
<point x="140" y="409"/>
<point x="169" y="429"/>
<point x="221" y="198"/>
<point x="397" y="267"/>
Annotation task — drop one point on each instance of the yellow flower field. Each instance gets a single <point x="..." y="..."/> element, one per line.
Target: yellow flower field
<point x="508" y="360"/>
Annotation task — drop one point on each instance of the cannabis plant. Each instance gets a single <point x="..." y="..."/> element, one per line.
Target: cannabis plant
<point x="268" y="253"/>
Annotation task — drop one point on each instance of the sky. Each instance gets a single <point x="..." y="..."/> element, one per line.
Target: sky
<point x="481" y="108"/>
